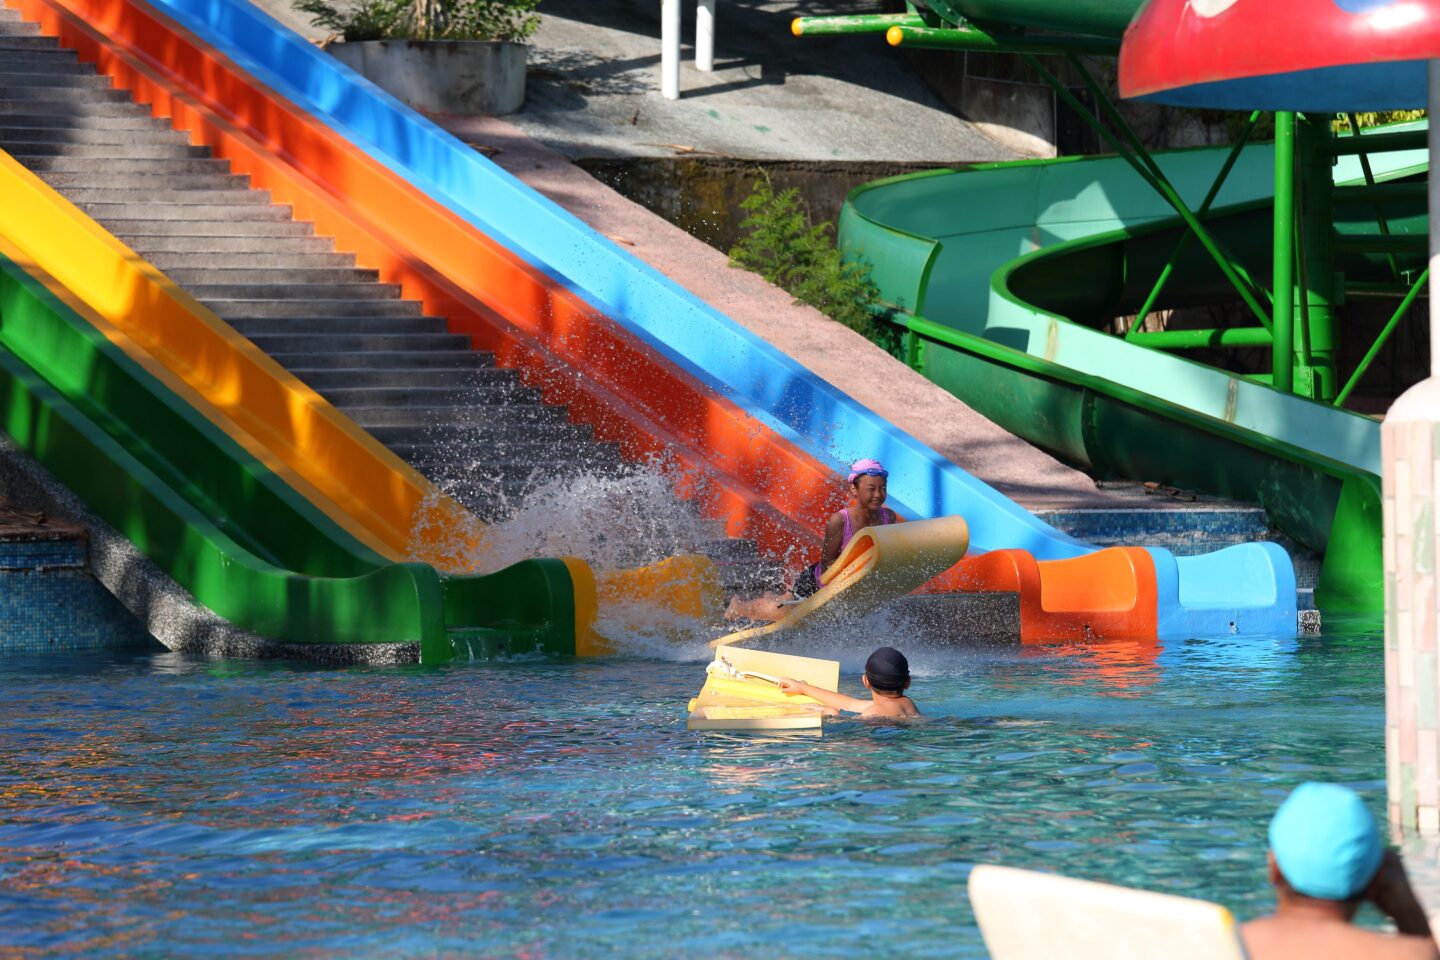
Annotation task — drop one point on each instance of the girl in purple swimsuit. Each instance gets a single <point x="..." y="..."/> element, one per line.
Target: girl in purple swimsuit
<point x="867" y="481"/>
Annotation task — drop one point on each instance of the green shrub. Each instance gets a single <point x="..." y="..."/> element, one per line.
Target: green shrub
<point x="783" y="246"/>
<point x="425" y="19"/>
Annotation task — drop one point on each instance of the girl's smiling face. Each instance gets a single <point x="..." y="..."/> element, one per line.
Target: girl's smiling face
<point x="870" y="492"/>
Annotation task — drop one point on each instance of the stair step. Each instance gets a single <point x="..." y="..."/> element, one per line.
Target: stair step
<point x="203" y="229"/>
<point x="238" y="249"/>
<point x="458" y="377"/>
<point x="108" y="170"/>
<point x="341" y="343"/>
<point x="75" y="76"/>
<point x="35" y="94"/>
<point x="341" y="326"/>
<point x="373" y="414"/>
<point x="26" y="150"/>
<point x="14" y="134"/>
<point x="327" y="308"/>
<point x="387" y="360"/>
<point x="368" y="293"/>
<point x="430" y="397"/>
<point x="27" y="43"/>
<point x="9" y="16"/>
<point x="90" y="179"/>
<point x="18" y="28"/>
<point x="280" y="276"/>
<point x="172" y="212"/>
<point x="117" y="117"/>
<point x="517" y="453"/>
<point x="23" y="58"/>
<point x="497" y="432"/>
<point x="189" y="260"/>
<point x="17" y="65"/>
<point x="231" y="199"/>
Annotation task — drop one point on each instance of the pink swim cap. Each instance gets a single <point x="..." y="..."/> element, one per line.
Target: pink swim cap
<point x="867" y="468"/>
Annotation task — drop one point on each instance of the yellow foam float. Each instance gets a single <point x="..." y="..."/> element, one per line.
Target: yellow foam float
<point x="742" y="692"/>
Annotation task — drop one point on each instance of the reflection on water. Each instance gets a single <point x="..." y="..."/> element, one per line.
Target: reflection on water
<point x="157" y="805"/>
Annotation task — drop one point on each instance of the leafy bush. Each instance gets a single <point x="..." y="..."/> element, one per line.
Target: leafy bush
<point x="783" y="246"/>
<point x="425" y="19"/>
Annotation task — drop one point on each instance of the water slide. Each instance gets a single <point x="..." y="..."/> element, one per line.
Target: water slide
<point x="220" y="467"/>
<point x="642" y="361"/>
<point x="1005" y="273"/>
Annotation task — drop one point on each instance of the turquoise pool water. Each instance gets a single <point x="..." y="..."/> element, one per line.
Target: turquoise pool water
<point x="154" y="805"/>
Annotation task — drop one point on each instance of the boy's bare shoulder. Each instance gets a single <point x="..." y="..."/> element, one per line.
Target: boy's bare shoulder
<point x="902" y="708"/>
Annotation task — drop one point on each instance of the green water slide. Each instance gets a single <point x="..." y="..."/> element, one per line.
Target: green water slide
<point x="225" y="526"/>
<point x="1008" y="279"/>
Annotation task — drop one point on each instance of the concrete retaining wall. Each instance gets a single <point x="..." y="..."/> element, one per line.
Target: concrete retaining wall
<point x="467" y="77"/>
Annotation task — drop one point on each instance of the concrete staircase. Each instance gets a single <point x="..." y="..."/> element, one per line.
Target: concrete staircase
<point x="421" y="391"/>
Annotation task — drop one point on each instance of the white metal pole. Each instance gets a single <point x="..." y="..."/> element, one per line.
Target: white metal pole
<point x="670" y="49"/>
<point x="705" y="35"/>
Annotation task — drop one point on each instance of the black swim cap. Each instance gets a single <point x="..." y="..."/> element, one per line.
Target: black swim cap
<point x="887" y="669"/>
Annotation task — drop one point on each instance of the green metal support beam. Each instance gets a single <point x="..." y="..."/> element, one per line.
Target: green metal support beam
<point x="1385" y="332"/>
<point x="1315" y="260"/>
<point x="1210" y="195"/>
<point x="1379" y="193"/>
<point x="1149" y="171"/>
<point x="1376" y="142"/>
<point x="1195" y="339"/>
<point x="1282" y="360"/>
<point x="973" y="38"/>
<point x="858" y="24"/>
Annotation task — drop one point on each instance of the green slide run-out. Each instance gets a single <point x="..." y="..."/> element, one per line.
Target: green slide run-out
<point x="221" y="523"/>
<point x="1005" y="275"/>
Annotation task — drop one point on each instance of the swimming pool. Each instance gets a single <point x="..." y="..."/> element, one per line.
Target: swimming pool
<point x="157" y="805"/>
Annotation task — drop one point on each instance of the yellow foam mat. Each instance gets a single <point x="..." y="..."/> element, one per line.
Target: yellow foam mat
<point x="876" y="566"/>
<point x="752" y="701"/>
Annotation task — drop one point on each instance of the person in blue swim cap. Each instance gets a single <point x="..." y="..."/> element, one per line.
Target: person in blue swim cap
<point x="1326" y="859"/>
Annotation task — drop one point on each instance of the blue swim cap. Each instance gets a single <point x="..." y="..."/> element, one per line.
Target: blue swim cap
<point x="1325" y="841"/>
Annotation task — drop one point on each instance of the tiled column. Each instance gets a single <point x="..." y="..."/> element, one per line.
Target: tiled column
<point x="1411" y="678"/>
<point x="1408" y="447"/>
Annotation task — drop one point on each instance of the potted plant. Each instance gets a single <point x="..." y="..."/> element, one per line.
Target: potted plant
<point x="442" y="56"/>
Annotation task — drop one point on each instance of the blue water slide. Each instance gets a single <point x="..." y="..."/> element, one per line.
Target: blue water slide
<point x="699" y="339"/>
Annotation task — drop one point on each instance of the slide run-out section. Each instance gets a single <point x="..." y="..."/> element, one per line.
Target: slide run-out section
<point x="663" y="373"/>
<point x="1002" y="275"/>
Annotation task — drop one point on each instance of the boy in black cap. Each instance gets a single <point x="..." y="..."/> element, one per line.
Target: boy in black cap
<point x="887" y="676"/>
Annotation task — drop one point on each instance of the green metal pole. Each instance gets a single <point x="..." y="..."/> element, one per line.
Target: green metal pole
<point x="1370" y="183"/>
<point x="1232" y="270"/>
<point x="860" y="23"/>
<point x="1191" y="339"/>
<point x="973" y="38"/>
<point x="1388" y="329"/>
<point x="1185" y="237"/>
<point x="1282" y="356"/>
<point x="1315" y="214"/>
<point x="1378" y="142"/>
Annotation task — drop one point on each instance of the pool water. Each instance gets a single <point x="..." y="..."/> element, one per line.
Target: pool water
<point x="157" y="805"/>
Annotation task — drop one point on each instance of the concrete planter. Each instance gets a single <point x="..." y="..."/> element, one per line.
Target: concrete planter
<point x="443" y="76"/>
